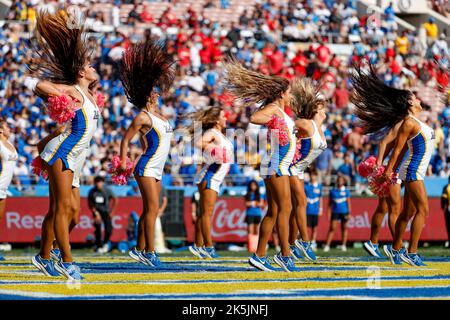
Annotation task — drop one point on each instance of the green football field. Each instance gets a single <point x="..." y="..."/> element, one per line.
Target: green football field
<point x="336" y="275"/>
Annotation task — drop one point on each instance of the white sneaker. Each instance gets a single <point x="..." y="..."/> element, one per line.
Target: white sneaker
<point x="277" y="248"/>
<point x="344" y="248"/>
<point x="314" y="246"/>
<point x="326" y="248"/>
<point x="446" y="244"/>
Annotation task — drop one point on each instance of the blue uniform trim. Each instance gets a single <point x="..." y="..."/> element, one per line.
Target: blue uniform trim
<point x="212" y="170"/>
<point x="418" y="149"/>
<point x="78" y="130"/>
<point x="153" y="140"/>
<point x="306" y="147"/>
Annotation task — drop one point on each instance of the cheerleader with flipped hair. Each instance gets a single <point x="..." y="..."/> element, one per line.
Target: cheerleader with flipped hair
<point x="61" y="63"/>
<point x="218" y="151"/>
<point x="273" y="94"/>
<point x="144" y="67"/>
<point x="379" y="106"/>
<point x="309" y="109"/>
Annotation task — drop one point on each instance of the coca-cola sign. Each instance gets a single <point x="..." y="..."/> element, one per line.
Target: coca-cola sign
<point x="228" y="221"/>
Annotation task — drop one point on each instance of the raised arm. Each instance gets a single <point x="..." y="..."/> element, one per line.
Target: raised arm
<point x="264" y="115"/>
<point x="137" y="124"/>
<point x="47" y="88"/>
<point x="205" y="140"/>
<point x="406" y="130"/>
<point x="387" y="143"/>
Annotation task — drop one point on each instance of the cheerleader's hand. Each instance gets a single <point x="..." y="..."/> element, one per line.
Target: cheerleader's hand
<point x="123" y="164"/>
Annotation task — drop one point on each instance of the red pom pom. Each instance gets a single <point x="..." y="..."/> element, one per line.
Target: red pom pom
<point x="118" y="175"/>
<point x="379" y="185"/>
<point x="37" y="167"/>
<point x="297" y="154"/>
<point x="220" y="155"/>
<point x="366" y="167"/>
<point x="62" y="108"/>
<point x="279" y="125"/>
<point x="100" y="100"/>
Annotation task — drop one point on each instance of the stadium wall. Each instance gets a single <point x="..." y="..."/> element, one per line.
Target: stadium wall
<point x="24" y="216"/>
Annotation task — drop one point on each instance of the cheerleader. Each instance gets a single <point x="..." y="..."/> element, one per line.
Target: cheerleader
<point x="390" y="204"/>
<point x="48" y="247"/>
<point x="218" y="152"/>
<point x="273" y="94"/>
<point x="145" y="66"/>
<point x="310" y="112"/>
<point x="388" y="107"/>
<point x="8" y="159"/>
<point x="62" y="65"/>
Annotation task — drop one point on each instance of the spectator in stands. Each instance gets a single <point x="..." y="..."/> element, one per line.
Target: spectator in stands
<point x="432" y="30"/>
<point x="102" y="203"/>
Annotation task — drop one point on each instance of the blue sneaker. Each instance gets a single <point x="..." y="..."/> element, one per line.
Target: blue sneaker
<point x="136" y="255"/>
<point x="196" y="252"/>
<point x="393" y="255"/>
<point x="211" y="252"/>
<point x="152" y="259"/>
<point x="372" y="249"/>
<point x="387" y="251"/>
<point x="69" y="270"/>
<point x="404" y="257"/>
<point x="287" y="263"/>
<point x="262" y="264"/>
<point x="296" y="253"/>
<point x="45" y="266"/>
<point x="55" y="254"/>
<point x="1" y="258"/>
<point x="306" y="249"/>
<point x="416" y="259"/>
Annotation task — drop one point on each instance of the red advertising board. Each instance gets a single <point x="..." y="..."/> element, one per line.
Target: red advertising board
<point x="228" y="221"/>
<point x="23" y="219"/>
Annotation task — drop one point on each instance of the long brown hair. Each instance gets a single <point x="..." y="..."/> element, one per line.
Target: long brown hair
<point x="207" y="117"/>
<point x="252" y="87"/>
<point x="376" y="104"/>
<point x="144" y="66"/>
<point x="60" y="52"/>
<point x="305" y="98"/>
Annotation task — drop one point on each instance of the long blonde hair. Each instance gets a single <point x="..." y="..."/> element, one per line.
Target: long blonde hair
<point x="252" y="87"/>
<point x="305" y="98"/>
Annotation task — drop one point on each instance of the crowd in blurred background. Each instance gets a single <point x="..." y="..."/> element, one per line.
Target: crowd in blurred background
<point x="297" y="38"/>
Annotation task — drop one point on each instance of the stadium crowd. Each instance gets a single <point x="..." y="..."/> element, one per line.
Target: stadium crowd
<point x="272" y="38"/>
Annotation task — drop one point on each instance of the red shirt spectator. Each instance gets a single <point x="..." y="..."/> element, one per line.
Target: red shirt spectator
<point x="395" y="67"/>
<point x="341" y="97"/>
<point x="205" y="55"/>
<point x="276" y="62"/>
<point x="184" y="56"/>
<point x="216" y="54"/>
<point x="323" y="53"/>
<point x="390" y="53"/>
<point x="442" y="79"/>
<point x="299" y="62"/>
<point x="146" y="16"/>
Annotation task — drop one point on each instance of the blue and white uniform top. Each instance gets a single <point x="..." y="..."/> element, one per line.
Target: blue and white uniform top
<point x="313" y="194"/>
<point x="8" y="159"/>
<point x="339" y="198"/>
<point x="281" y="157"/>
<point x="214" y="173"/>
<point x="156" y="144"/>
<point x="311" y="148"/>
<point x="69" y="145"/>
<point x="421" y="148"/>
